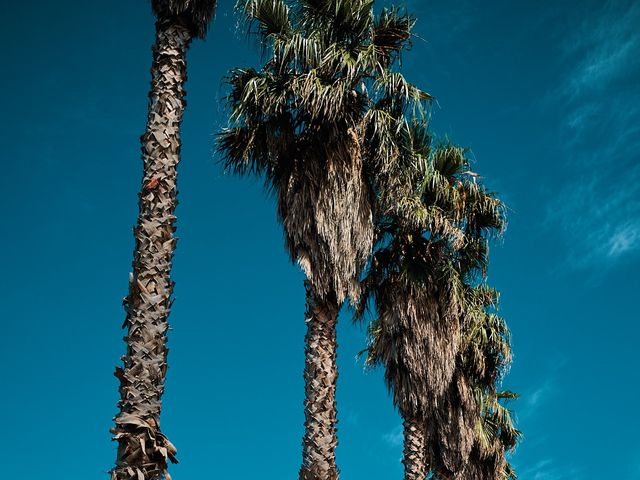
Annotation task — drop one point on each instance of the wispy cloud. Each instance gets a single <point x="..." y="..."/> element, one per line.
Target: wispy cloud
<point x="540" y="395"/>
<point x="543" y="390"/>
<point x="600" y="216"/>
<point x="537" y="470"/>
<point x="395" y="437"/>
<point x="598" y="210"/>
<point x="604" y="47"/>
<point x="546" y="469"/>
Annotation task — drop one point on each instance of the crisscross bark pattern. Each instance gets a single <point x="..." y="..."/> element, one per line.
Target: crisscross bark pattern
<point x="320" y="376"/>
<point x="143" y="451"/>
<point x="415" y="465"/>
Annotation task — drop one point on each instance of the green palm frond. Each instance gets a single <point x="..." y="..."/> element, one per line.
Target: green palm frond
<point x="496" y="422"/>
<point x="450" y="161"/>
<point x="486" y="351"/>
<point x="420" y="139"/>
<point x="322" y="102"/>
<point x="341" y="20"/>
<point x="392" y="31"/>
<point x="495" y="436"/>
<point x="248" y="93"/>
<point x="297" y="52"/>
<point x="268" y="18"/>
<point x="486" y="214"/>
<point x="394" y="85"/>
<point x="251" y="149"/>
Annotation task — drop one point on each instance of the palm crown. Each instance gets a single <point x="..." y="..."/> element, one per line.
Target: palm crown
<point x="432" y="238"/>
<point x="302" y="118"/>
<point x="432" y="228"/>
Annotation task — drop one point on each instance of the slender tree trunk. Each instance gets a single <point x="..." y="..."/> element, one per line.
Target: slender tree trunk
<point x="320" y="377"/>
<point x="143" y="451"/>
<point x="414" y="460"/>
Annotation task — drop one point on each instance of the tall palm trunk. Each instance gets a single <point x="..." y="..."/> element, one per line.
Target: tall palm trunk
<point x="143" y="451"/>
<point x="320" y="377"/>
<point x="415" y="465"/>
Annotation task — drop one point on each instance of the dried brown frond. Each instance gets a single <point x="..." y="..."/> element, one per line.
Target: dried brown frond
<point x="325" y="208"/>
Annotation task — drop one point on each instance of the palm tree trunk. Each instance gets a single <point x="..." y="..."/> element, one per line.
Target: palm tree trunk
<point x="320" y="377"/>
<point x="415" y="465"/>
<point x="143" y="451"/>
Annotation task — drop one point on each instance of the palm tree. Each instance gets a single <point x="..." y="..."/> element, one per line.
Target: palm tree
<point x="143" y="451"/>
<point x="431" y="237"/>
<point x="300" y="122"/>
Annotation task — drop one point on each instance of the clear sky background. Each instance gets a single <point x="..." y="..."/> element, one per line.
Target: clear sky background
<point x="547" y="96"/>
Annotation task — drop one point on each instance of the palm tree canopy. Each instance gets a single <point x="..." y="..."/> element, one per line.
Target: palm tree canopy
<point x="432" y="231"/>
<point x="195" y="14"/>
<point x="301" y="121"/>
<point x="431" y="239"/>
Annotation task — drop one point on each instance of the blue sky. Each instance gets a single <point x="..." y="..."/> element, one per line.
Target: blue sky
<point x="547" y="96"/>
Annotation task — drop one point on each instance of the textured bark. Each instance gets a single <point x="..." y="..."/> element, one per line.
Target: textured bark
<point x="414" y="458"/>
<point x="320" y="377"/>
<point x="143" y="451"/>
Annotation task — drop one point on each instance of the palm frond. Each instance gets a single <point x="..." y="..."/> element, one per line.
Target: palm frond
<point x="298" y="52"/>
<point x="392" y="32"/>
<point x="342" y="21"/>
<point x="450" y="161"/>
<point x="394" y="85"/>
<point x="267" y="18"/>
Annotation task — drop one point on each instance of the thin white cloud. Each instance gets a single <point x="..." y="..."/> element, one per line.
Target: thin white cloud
<point x="539" y="471"/>
<point x="600" y="216"/>
<point x="598" y="209"/>
<point x="605" y="46"/>
<point x="395" y="437"/>
<point x="539" y="395"/>
<point x="544" y="389"/>
<point x="546" y="469"/>
<point x="625" y="239"/>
